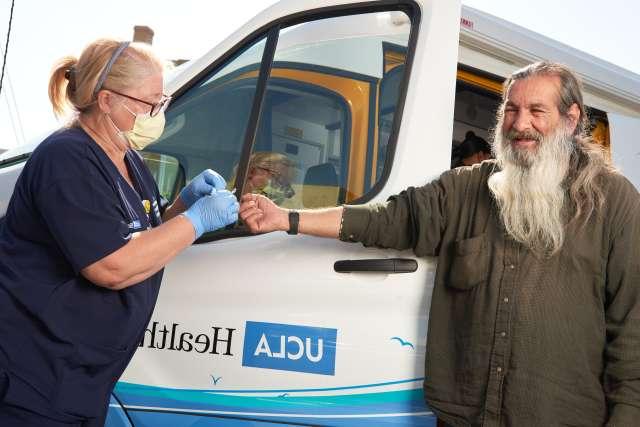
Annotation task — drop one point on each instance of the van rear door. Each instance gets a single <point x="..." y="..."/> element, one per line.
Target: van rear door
<point x="625" y="145"/>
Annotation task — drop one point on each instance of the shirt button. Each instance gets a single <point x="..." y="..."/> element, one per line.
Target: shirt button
<point x="506" y="299"/>
<point x="503" y="334"/>
<point x="511" y="266"/>
<point x="499" y="369"/>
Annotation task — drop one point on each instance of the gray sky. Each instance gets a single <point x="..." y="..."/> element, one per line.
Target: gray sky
<point x="43" y="31"/>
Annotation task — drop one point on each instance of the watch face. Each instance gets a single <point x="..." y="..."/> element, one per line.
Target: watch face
<point x="294" y="218"/>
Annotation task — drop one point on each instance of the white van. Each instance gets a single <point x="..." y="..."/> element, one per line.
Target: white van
<point x="363" y="99"/>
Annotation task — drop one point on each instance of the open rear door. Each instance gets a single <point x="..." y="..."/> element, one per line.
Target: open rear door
<point x="625" y="145"/>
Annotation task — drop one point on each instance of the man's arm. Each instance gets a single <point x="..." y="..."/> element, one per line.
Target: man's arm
<point x="262" y="216"/>
<point x="413" y="219"/>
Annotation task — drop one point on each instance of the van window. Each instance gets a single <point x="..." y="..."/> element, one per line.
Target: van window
<point x="301" y="151"/>
<point x="205" y="127"/>
<point x="319" y="128"/>
<point x="474" y="117"/>
<point x="323" y="116"/>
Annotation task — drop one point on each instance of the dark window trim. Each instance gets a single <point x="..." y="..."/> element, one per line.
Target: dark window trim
<point x="391" y="47"/>
<point x="256" y="110"/>
<point x="252" y="127"/>
<point x="20" y="158"/>
<point x="374" y="167"/>
<point x="371" y="130"/>
<point x="413" y="11"/>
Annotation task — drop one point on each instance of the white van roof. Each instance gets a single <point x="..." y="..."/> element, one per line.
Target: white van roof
<point x="516" y="47"/>
<point x="486" y="42"/>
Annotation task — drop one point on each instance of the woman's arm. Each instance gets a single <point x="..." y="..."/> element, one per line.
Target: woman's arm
<point x="148" y="251"/>
<point x="145" y="254"/>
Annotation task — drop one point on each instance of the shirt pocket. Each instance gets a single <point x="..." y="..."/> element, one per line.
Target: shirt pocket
<point x="469" y="264"/>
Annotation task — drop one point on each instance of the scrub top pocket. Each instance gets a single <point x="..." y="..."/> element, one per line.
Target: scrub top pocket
<point x="86" y="374"/>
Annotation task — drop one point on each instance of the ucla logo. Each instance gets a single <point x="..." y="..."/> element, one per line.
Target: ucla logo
<point x="290" y="347"/>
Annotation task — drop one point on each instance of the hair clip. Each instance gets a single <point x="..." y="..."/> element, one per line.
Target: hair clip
<point x="70" y="75"/>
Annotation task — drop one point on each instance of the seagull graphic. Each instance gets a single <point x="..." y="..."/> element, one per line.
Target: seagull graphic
<point x="215" y="380"/>
<point x="402" y="342"/>
<point x="283" y="395"/>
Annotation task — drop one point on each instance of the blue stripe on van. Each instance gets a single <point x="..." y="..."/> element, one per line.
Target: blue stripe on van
<point x="403" y="407"/>
<point x="124" y="385"/>
<point x="167" y="419"/>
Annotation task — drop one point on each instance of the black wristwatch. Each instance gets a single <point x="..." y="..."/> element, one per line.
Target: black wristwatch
<point x="294" y="220"/>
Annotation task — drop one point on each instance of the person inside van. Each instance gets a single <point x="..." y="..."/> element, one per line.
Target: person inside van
<point x="85" y="239"/>
<point x="535" y="313"/>
<point x="270" y="174"/>
<point x="471" y="150"/>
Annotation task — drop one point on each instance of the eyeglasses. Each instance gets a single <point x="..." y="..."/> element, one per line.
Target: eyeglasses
<point x="156" y="108"/>
<point x="274" y="174"/>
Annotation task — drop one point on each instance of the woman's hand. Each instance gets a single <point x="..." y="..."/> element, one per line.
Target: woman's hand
<point x="202" y="185"/>
<point x="213" y="211"/>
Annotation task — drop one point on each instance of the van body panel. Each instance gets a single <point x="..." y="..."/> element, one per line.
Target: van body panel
<point x="8" y="178"/>
<point x="229" y="287"/>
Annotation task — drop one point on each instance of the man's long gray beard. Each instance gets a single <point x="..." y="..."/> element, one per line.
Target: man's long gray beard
<point x="529" y="188"/>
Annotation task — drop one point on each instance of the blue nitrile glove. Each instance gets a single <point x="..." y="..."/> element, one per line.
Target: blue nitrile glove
<point x="202" y="185"/>
<point x="212" y="212"/>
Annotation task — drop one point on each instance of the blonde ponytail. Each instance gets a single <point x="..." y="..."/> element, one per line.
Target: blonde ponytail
<point x="61" y="85"/>
<point x="73" y="83"/>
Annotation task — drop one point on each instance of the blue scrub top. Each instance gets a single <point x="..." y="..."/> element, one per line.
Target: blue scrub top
<point x="64" y="341"/>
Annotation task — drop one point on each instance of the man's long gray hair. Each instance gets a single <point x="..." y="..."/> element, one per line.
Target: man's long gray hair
<point x="539" y="193"/>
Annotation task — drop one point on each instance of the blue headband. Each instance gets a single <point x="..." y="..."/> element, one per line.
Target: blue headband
<point x="107" y="68"/>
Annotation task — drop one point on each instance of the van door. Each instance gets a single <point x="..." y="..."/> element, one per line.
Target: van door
<point x="625" y="145"/>
<point x="263" y="328"/>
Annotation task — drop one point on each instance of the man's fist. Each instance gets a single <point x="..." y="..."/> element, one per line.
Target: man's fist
<point x="261" y="215"/>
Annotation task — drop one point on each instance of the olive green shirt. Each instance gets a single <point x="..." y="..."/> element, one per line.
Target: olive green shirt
<point x="515" y="339"/>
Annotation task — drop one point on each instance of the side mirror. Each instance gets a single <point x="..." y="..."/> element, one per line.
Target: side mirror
<point x="168" y="173"/>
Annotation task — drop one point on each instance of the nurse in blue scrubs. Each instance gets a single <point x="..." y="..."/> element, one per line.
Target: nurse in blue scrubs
<point x="86" y="237"/>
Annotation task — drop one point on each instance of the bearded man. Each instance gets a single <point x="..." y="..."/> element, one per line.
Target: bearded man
<point x="535" y="314"/>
